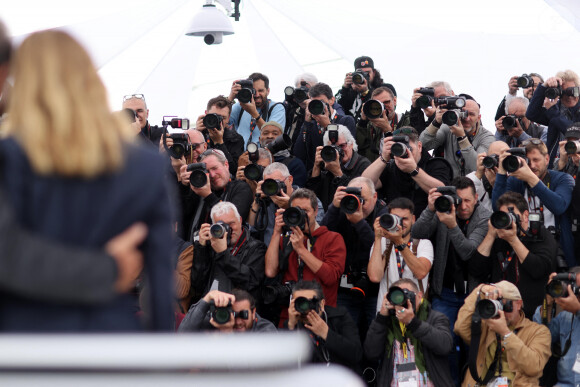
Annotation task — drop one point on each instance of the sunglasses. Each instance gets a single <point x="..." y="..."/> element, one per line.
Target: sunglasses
<point x="131" y="96"/>
<point x="535" y="141"/>
<point x="212" y="151"/>
<point x="243" y="314"/>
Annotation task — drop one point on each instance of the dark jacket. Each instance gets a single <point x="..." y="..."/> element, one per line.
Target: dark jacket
<point x="88" y="213"/>
<point x="233" y="147"/>
<point x="326" y="183"/>
<point x="434" y="335"/>
<point x="238" y="267"/>
<point x="151" y="135"/>
<point x="296" y="168"/>
<point x="368" y="136"/>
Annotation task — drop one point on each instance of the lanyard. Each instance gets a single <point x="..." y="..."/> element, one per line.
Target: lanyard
<point x="236" y="249"/>
<point x="505" y="262"/>
<point x="401" y="262"/>
<point x="301" y="261"/>
<point x="532" y="201"/>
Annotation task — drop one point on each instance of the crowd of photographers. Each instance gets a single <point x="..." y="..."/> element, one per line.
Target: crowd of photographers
<point x="415" y="249"/>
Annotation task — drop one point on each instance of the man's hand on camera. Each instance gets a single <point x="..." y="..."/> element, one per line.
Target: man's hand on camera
<point x="176" y="164"/>
<point x="220" y="299"/>
<point x="406" y="164"/>
<point x="339" y="194"/>
<point x="510" y="235"/>
<point x="525" y="174"/>
<point x="363" y="87"/>
<point x="513" y="85"/>
<point x="199" y="123"/>
<point x="236" y="87"/>
<point x="356" y="216"/>
<point x="204" y="234"/>
<point x="184" y="174"/>
<point x="553" y="82"/>
<point x="499" y="124"/>
<point x="379" y="230"/>
<point x="203" y="191"/>
<point x="382" y="122"/>
<point x="433" y="195"/>
<point x="489" y="292"/>
<point x="282" y="200"/>
<point x="250" y="107"/>
<point x="386" y="306"/>
<point x="219" y="245"/>
<point x="297" y="239"/>
<point x="168" y="141"/>
<point x="334" y="166"/>
<point x="439" y="114"/>
<point x="279" y="223"/>
<point x="347" y="80"/>
<point x="387" y="144"/>
<point x="491" y="231"/>
<point x="323" y="119"/>
<point x="293" y="316"/>
<point x="316" y="325"/>
<point x="498" y="324"/>
<point x="448" y="218"/>
<point x="570" y="302"/>
<point x="396" y="237"/>
<point x="405" y="314"/>
<point x="457" y="130"/>
<point x="217" y="134"/>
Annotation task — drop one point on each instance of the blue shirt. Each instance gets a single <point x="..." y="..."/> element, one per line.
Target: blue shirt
<point x="244" y="127"/>
<point x="560" y="329"/>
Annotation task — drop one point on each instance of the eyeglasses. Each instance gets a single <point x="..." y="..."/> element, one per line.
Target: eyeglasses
<point x="131" y="96"/>
<point x="407" y="131"/>
<point x="195" y="145"/>
<point x="535" y="141"/>
<point x="343" y="145"/>
<point x="212" y="151"/>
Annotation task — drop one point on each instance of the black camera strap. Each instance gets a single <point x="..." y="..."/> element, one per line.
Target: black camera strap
<point x="474" y="349"/>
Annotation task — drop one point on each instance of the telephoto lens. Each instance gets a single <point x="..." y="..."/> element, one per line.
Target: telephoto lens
<point x="490" y="162"/>
<point x="303" y="305"/>
<point x="509" y="122"/>
<point x="503" y="220"/>
<point x="512" y="162"/>
<point x="271" y="187"/>
<point x="358" y="77"/>
<point x="400" y="147"/>
<point x="294" y="217"/>
<point x="219" y="229"/>
<point x="220" y="314"/>
<point x="373" y="109"/>
<point x="488" y="308"/>
<point x="212" y="121"/>
<point x="390" y="222"/>
<point x="316" y="107"/>
<point x="254" y="172"/>
<point x="572" y="147"/>
<point x="329" y="153"/>
<point x="352" y="201"/>
<point x="198" y="177"/>
<point x="525" y="81"/>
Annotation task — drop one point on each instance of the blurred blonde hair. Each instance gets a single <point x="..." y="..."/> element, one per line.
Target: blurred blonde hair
<point x="569" y="76"/>
<point x="58" y="111"/>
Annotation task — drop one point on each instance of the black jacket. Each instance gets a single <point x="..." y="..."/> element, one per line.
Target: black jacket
<point x="244" y="270"/>
<point x="151" y="134"/>
<point x="433" y="333"/>
<point x="326" y="183"/>
<point x="233" y="147"/>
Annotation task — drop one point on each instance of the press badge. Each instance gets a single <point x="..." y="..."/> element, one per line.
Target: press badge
<point x="499" y="382"/>
<point x="407" y="375"/>
<point x="576" y="367"/>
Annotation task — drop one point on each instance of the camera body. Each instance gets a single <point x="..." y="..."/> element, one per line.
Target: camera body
<point x="427" y="95"/>
<point x="247" y="92"/>
<point x="219" y="229"/>
<point x="253" y="171"/>
<point x="504" y="220"/>
<point x="277" y="294"/>
<point x="572" y="147"/>
<point x="352" y="201"/>
<point x="453" y="116"/>
<point x="181" y="146"/>
<point x="212" y="121"/>
<point x="280" y="143"/>
<point x="400" y="146"/>
<point x="220" y="314"/>
<point x="558" y="287"/>
<point x="447" y="199"/>
<point x="330" y="153"/>
<point x="510" y="121"/>
<point x="399" y="296"/>
<point x="294" y="217"/>
<point x="450" y="102"/>
<point x="553" y="92"/>
<point x="491" y="161"/>
<point x="272" y="187"/>
<point x="525" y="81"/>
<point x="512" y="162"/>
<point x="303" y="305"/>
<point x="198" y="177"/>
<point x="490" y="308"/>
<point x="359" y="77"/>
<point x="296" y="95"/>
<point x="373" y="109"/>
<point x="390" y="222"/>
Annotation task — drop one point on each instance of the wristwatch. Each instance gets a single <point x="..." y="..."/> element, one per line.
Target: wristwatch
<point x="414" y="172"/>
<point x="401" y="247"/>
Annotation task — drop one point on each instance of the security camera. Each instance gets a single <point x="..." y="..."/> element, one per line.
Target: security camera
<point x="213" y="38"/>
<point x="210" y="23"/>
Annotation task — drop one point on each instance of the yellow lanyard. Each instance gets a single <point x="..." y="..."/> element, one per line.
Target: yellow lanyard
<point x="404" y="344"/>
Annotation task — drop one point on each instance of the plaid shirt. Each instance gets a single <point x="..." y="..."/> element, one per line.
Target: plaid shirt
<point x="399" y="358"/>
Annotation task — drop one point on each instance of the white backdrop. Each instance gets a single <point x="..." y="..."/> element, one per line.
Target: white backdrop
<point x="140" y="46"/>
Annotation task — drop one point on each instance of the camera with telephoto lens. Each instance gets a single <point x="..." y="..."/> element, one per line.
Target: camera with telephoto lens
<point x="272" y="187"/>
<point x="450" y="102"/>
<point x="304" y="305"/>
<point x="297" y="95"/>
<point x="373" y="108"/>
<point x="510" y="121"/>
<point x="219" y="229"/>
<point x="490" y="161"/>
<point x="427" y="95"/>
<point x="512" y="162"/>
<point x="400" y="146"/>
<point x="247" y="92"/>
<point x="253" y="171"/>
<point x="390" y="222"/>
<point x="452" y="117"/>
<point x="280" y="143"/>
<point x="294" y="217"/>
<point x="490" y="308"/>
<point x="558" y="287"/>
<point x="198" y="177"/>
<point x="504" y="220"/>
<point x="361" y="283"/>
<point x="447" y="200"/>
<point x="572" y="147"/>
<point x="212" y="121"/>
<point x="525" y="81"/>
<point x="398" y="296"/>
<point x="359" y="77"/>
<point x="181" y="146"/>
<point x="330" y="153"/>
<point x="553" y="92"/>
<point x="277" y="294"/>
<point x="316" y="107"/>
<point x="352" y="201"/>
<point x="220" y="314"/>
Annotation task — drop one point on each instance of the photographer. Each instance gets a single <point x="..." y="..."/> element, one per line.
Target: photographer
<point x="528" y="91"/>
<point x="269" y="133"/>
<point x="296" y="107"/>
<point x="332" y="331"/>
<point x="563" y="112"/>
<point x="512" y="349"/>
<point x="316" y="123"/>
<point x="417" y="114"/>
<point x="518" y="128"/>
<point x="356" y="292"/>
<point x="411" y="175"/>
<point x="218" y="187"/>
<point x="411" y="340"/>
<point x="353" y="95"/>
<point x="264" y="159"/>
<point x="462" y="141"/>
<point x="516" y="252"/>
<point x="230" y="260"/>
<point x="249" y="116"/>
<point x="484" y="176"/>
<point x="394" y="255"/>
<point x="565" y="328"/>
<point x="263" y="211"/>
<point x="548" y="192"/>
<point x="136" y="102"/>
<point x="370" y="131"/>
<point x="241" y="307"/>
<point x="221" y="136"/>
<point x="347" y="165"/>
<point x="316" y="253"/>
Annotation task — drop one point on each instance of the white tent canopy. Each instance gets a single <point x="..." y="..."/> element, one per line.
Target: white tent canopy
<point x="140" y="46"/>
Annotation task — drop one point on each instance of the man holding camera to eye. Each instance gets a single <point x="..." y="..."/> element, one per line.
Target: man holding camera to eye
<point x="217" y="133"/>
<point x="226" y="256"/>
<point x="335" y="164"/>
<point x="301" y="249"/>
<point x="254" y="108"/>
<point x="319" y="114"/>
<point x="332" y="331"/>
<point x="548" y="192"/>
<point x="527" y="82"/>
<point x="378" y="120"/>
<point x="422" y="104"/>
<point x="255" y="162"/>
<point x="564" y="290"/>
<point x="564" y="91"/>
<point x="506" y="348"/>
<point x="358" y="86"/>
<point x="225" y="312"/>
<point x="351" y="214"/>
<point x="409" y="171"/>
<point x="411" y="339"/>
<point x="517" y="248"/>
<point x="513" y="128"/>
<point x="461" y="140"/>
<point x="136" y="102"/>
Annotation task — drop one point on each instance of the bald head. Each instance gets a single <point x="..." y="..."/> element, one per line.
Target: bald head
<point x="497" y="147"/>
<point x="195" y="136"/>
